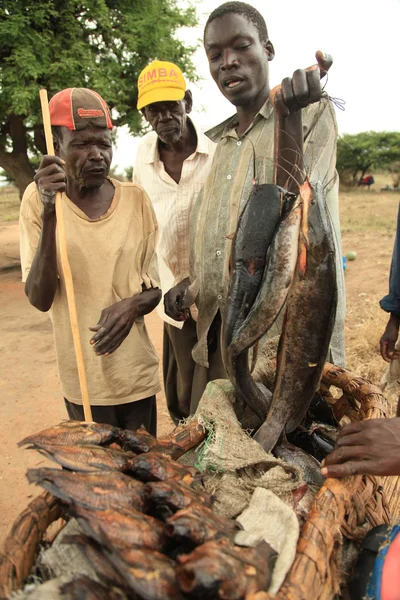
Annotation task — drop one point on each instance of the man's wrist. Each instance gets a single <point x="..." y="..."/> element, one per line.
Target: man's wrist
<point x="394" y="318"/>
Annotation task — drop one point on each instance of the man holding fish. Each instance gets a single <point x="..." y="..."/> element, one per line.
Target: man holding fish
<point x="239" y="51"/>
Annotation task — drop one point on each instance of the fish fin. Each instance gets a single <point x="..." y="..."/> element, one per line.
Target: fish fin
<point x="230" y="236"/>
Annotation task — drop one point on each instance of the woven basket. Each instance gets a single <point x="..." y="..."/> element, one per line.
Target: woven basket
<point x="346" y="507"/>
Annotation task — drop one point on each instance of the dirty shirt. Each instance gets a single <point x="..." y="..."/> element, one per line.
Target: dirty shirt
<point x="111" y="258"/>
<point x="237" y="160"/>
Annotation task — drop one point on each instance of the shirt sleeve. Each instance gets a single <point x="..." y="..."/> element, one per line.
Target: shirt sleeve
<point x="30" y="227"/>
<point x="149" y="275"/>
<point x="391" y="302"/>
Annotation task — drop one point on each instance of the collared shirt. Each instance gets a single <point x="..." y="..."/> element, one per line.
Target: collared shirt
<point x="172" y="204"/>
<point x="111" y="258"/>
<point x="237" y="161"/>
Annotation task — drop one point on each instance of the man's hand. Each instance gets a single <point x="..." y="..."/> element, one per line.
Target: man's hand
<point x="389" y="339"/>
<point x="366" y="448"/>
<point x="50" y="178"/>
<point x="173" y="301"/>
<point x="114" y="325"/>
<point x="302" y="89"/>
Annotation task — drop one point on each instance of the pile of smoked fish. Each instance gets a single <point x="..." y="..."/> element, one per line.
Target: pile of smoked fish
<point x="148" y="528"/>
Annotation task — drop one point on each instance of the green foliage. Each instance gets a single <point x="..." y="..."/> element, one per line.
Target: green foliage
<point x="128" y="173"/>
<point x="101" y="44"/>
<point x="362" y="152"/>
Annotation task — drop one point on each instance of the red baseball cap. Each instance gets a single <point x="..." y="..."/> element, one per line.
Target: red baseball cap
<point x="77" y="108"/>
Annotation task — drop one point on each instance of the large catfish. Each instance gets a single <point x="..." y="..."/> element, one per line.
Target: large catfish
<point x="307" y="326"/>
<point x="275" y="284"/>
<point x="255" y="231"/>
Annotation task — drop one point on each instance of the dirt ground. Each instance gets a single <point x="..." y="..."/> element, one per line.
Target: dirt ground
<point x="30" y="397"/>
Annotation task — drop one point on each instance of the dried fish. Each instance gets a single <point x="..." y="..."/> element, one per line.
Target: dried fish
<point x="154" y="466"/>
<point x="74" y="432"/>
<point x="164" y="498"/>
<point x="219" y="570"/>
<point x="197" y="524"/>
<point x="121" y="528"/>
<point x="86" y="457"/>
<point x="91" y="490"/>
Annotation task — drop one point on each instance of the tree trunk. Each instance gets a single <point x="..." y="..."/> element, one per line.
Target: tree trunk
<point x="16" y="162"/>
<point x="18" y="167"/>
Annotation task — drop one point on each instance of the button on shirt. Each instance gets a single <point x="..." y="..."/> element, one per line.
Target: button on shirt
<point x="172" y="204"/>
<point x="215" y="214"/>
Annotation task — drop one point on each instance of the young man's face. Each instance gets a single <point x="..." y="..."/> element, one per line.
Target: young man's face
<point x="87" y="154"/>
<point x="238" y="60"/>
<point x="168" y="119"/>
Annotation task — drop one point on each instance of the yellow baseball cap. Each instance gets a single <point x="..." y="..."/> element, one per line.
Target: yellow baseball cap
<point x="160" y="81"/>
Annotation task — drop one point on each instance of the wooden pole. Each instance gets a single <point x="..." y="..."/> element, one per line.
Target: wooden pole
<point x="66" y="269"/>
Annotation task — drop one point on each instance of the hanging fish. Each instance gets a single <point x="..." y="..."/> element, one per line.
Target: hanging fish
<point x="307" y="327"/>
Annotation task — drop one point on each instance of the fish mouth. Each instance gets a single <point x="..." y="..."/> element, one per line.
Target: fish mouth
<point x="232" y="82"/>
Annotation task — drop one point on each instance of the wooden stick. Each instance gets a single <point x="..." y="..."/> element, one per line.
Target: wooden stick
<point x="66" y="269"/>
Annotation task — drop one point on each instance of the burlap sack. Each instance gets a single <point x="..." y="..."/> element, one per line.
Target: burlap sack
<point x="233" y="463"/>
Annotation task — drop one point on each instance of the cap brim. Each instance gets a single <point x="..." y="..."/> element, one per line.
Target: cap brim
<point x="164" y="95"/>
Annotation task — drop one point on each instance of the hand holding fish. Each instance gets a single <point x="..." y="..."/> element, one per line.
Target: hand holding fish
<point x="389" y="338"/>
<point x="173" y="301"/>
<point x="369" y="447"/>
<point x="302" y="89"/>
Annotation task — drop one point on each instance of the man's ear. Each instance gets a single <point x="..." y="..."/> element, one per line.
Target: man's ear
<point x="144" y="113"/>
<point x="56" y="145"/>
<point x="270" y="50"/>
<point x="188" y="100"/>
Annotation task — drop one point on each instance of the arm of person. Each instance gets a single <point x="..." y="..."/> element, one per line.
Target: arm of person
<point x="41" y="283"/>
<point x="116" y="321"/>
<point x="369" y="447"/>
<point x="391" y="304"/>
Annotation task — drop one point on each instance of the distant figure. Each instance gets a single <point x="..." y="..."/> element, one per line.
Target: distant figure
<point x="367" y="180"/>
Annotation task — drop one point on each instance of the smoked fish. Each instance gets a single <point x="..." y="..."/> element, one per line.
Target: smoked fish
<point x="154" y="466"/>
<point x="95" y="491"/>
<point x="219" y="570"/>
<point x="121" y="528"/>
<point x="164" y="498"/>
<point x="150" y="575"/>
<point x="74" y="432"/>
<point x="84" y="588"/>
<point x="197" y="524"/>
<point x="86" y="457"/>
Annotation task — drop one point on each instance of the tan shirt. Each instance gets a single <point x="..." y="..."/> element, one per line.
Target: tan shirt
<point x="172" y="203"/>
<point x="110" y="257"/>
<point x="228" y="186"/>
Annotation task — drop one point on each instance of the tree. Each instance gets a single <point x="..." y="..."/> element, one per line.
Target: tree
<point x="359" y="153"/>
<point x="101" y="44"/>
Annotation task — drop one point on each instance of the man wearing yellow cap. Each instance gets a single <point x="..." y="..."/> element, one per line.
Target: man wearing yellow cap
<point x="172" y="163"/>
<point x="111" y="232"/>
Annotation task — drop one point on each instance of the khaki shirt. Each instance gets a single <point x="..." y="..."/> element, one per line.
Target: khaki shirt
<point x="110" y="257"/>
<point x="228" y="186"/>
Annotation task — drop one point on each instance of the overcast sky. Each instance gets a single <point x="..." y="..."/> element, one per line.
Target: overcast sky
<point x="361" y="35"/>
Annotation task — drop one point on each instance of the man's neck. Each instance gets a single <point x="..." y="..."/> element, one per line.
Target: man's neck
<point x="247" y="113"/>
<point x="94" y="202"/>
<point x="187" y="143"/>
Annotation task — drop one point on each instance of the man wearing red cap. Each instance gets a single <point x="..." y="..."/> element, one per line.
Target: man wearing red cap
<point x="111" y="232"/>
<point x="172" y="164"/>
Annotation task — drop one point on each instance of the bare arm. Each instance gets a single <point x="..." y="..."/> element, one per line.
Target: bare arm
<point x="116" y="321"/>
<point x="42" y="281"/>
